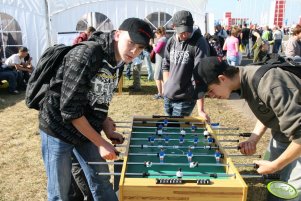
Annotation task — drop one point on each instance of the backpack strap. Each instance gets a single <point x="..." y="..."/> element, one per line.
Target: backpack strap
<point x="289" y="66"/>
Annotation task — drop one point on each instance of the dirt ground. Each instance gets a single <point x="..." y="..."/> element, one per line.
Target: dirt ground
<point x="22" y="175"/>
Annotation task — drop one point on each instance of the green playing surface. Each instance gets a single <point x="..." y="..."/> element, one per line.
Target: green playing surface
<point x="174" y="133"/>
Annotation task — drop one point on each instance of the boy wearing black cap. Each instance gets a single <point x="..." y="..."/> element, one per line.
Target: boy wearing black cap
<point x="75" y="109"/>
<point x="276" y="103"/>
<point x="183" y="52"/>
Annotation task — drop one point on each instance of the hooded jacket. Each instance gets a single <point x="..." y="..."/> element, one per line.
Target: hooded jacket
<point x="83" y="86"/>
<point x="181" y="57"/>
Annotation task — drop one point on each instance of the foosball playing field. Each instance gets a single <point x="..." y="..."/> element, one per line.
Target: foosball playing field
<point x="177" y="159"/>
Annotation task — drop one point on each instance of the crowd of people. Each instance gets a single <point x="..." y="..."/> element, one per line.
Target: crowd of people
<point x="74" y="113"/>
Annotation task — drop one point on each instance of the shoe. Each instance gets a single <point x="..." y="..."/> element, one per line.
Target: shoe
<point x="15" y="92"/>
<point x="157" y="97"/>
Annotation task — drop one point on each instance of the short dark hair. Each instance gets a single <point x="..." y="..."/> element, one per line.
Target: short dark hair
<point x="230" y="72"/>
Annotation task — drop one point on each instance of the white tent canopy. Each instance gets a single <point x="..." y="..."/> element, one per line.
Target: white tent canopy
<point x="41" y="21"/>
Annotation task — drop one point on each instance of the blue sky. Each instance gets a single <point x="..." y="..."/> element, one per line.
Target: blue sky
<point x="254" y="9"/>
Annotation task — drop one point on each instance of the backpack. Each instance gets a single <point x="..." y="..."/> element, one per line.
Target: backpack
<point x="288" y="64"/>
<point x="46" y="69"/>
<point x="270" y="36"/>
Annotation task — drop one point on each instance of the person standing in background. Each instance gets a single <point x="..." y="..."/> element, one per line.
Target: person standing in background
<point x="159" y="49"/>
<point x="84" y="35"/>
<point x="293" y="46"/>
<point x="183" y="52"/>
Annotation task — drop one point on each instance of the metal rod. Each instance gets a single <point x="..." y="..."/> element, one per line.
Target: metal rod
<point x="169" y="122"/>
<point x="223" y="128"/>
<point x="164" y="133"/>
<point x="174" y="147"/>
<point x="241" y="155"/>
<point x="161" y="139"/>
<point x="146" y="174"/>
<point x="174" y="155"/>
<point x="169" y="127"/>
<point x="234" y="134"/>
<point x="159" y="164"/>
<point x="123" y="126"/>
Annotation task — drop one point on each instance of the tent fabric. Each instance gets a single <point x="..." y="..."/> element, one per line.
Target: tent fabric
<point x="31" y="17"/>
<point x="40" y="21"/>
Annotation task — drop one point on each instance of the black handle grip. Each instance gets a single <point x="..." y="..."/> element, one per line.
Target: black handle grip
<point x="271" y="176"/>
<point x="245" y="134"/>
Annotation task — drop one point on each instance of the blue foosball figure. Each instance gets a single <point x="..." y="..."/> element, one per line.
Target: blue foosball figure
<point x="195" y="140"/>
<point x="166" y="139"/>
<point x="181" y="139"/>
<point x="189" y="155"/>
<point x="218" y="156"/>
<point x="210" y="140"/>
<point x="165" y="122"/>
<point x="161" y="155"/>
<point x="193" y="128"/>
<point x="151" y="139"/>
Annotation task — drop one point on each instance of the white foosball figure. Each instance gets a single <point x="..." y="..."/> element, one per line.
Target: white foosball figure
<point x="183" y="132"/>
<point x="179" y="173"/>
<point x="206" y="133"/>
<point x="193" y="164"/>
<point x="160" y="131"/>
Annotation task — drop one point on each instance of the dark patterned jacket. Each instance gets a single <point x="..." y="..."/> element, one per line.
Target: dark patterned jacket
<point x="83" y="86"/>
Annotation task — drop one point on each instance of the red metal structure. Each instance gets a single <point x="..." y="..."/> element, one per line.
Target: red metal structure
<point x="279" y="13"/>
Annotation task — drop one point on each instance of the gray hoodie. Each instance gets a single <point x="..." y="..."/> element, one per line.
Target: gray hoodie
<point x="181" y="57"/>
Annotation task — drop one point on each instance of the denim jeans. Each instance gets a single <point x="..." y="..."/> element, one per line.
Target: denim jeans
<point x="291" y="173"/>
<point x="178" y="108"/>
<point x="57" y="160"/>
<point x="233" y="60"/>
<point x="150" y="73"/>
<point x="10" y="76"/>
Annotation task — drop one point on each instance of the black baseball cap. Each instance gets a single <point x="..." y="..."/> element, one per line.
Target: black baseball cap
<point x="183" y="21"/>
<point x="208" y="70"/>
<point x="139" y="31"/>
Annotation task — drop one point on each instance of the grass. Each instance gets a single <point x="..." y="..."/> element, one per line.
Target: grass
<point x="22" y="175"/>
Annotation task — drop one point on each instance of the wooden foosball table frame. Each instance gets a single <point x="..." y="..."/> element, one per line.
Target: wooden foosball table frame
<point x="231" y="189"/>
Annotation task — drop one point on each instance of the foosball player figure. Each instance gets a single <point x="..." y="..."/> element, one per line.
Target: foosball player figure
<point x="160" y="127"/>
<point x="165" y="122"/>
<point x="193" y="128"/>
<point x="195" y="139"/>
<point x="210" y="140"/>
<point x="189" y="155"/>
<point x="217" y="155"/>
<point x="161" y="155"/>
<point x="166" y="139"/>
<point x="159" y="131"/>
<point x="179" y="173"/>
<point x="181" y="139"/>
<point x="183" y="132"/>
<point x="151" y="139"/>
<point x="206" y="133"/>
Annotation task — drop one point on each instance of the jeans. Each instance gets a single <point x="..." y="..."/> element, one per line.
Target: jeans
<point x="233" y="60"/>
<point x="10" y="76"/>
<point x="276" y="46"/>
<point x="178" y="108"/>
<point x="150" y="73"/>
<point x="247" y="49"/>
<point x="57" y="160"/>
<point x="291" y="173"/>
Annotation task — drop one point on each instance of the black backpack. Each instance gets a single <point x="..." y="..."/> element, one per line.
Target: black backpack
<point x="274" y="60"/>
<point x="46" y="68"/>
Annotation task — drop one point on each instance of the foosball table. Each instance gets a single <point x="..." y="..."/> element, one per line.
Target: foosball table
<point x="177" y="159"/>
